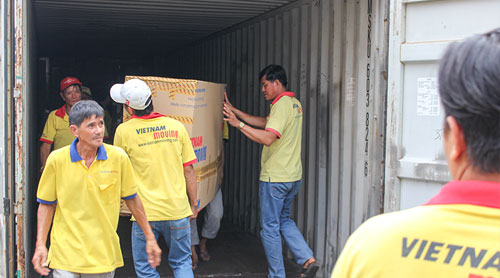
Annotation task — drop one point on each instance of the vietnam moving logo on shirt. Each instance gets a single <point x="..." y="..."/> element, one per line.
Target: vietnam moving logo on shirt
<point x="201" y="153"/>
<point x="451" y="254"/>
<point x="149" y="129"/>
<point x="109" y="172"/>
<point x="299" y="109"/>
<point x="159" y="132"/>
<point x="166" y="134"/>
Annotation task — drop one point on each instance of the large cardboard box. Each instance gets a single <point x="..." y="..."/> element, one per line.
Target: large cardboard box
<point x="198" y="105"/>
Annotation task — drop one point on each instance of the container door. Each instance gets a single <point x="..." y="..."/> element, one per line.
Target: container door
<point x="7" y="228"/>
<point x="4" y="196"/>
<point x="419" y="32"/>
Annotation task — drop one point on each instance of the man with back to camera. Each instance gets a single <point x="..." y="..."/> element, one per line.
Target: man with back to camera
<point x="86" y="180"/>
<point x="457" y="232"/>
<point x="162" y="155"/>
<point x="281" y="169"/>
<point x="56" y="131"/>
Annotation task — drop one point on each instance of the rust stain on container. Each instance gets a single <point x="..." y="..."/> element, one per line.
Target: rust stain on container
<point x="20" y="252"/>
<point x="19" y="169"/>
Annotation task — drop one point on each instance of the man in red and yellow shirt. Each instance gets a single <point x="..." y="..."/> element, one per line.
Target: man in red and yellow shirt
<point x="281" y="169"/>
<point x="457" y="232"/>
<point x="162" y="157"/>
<point x="56" y="131"/>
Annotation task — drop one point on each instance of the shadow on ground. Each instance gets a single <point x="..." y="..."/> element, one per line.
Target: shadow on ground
<point x="234" y="254"/>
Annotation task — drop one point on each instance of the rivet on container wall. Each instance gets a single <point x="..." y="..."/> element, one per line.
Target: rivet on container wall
<point x="316" y="3"/>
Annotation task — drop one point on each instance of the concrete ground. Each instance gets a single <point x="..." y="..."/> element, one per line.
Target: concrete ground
<point x="234" y="254"/>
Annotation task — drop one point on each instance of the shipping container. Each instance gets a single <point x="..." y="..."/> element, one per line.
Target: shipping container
<point x="371" y="137"/>
<point x="419" y="33"/>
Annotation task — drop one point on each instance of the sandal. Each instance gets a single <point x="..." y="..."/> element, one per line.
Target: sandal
<point x="204" y="256"/>
<point x="310" y="270"/>
<point x="195" y="265"/>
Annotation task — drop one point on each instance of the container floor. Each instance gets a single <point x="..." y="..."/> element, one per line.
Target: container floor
<point x="233" y="254"/>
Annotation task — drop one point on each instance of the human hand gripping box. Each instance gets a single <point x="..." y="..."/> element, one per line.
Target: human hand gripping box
<point x="198" y="105"/>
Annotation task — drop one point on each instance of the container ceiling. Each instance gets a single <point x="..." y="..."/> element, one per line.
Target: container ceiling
<point x="149" y="27"/>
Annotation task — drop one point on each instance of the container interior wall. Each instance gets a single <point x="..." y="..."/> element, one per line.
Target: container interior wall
<point x="335" y="56"/>
<point x="30" y="137"/>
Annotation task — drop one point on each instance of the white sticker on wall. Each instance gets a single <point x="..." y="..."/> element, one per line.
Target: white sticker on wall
<point x="427" y="96"/>
<point x="350" y="92"/>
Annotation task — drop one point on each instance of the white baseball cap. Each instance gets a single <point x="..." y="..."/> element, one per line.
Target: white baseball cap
<point x="134" y="93"/>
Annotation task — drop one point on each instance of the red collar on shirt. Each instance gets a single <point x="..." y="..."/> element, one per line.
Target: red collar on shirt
<point x="479" y="193"/>
<point x="61" y="112"/>
<point x="290" y="94"/>
<point x="149" y="116"/>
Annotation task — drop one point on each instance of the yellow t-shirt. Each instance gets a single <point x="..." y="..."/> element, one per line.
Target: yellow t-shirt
<point x="226" y="131"/>
<point x="456" y="234"/>
<point x="281" y="161"/>
<point x="83" y="237"/>
<point x="56" y="130"/>
<point x="159" y="148"/>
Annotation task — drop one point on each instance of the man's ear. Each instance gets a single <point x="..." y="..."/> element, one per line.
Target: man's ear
<point x="278" y="84"/>
<point x="456" y="138"/>
<point x="62" y="96"/>
<point x="74" y="130"/>
<point x="129" y="110"/>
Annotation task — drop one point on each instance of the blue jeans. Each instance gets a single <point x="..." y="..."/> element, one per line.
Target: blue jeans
<point x="275" y="202"/>
<point x="177" y="236"/>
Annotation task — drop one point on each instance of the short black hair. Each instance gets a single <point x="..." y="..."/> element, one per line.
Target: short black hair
<point x="77" y="85"/>
<point x="274" y="72"/>
<point x="469" y="87"/>
<point x="84" y="109"/>
<point x="148" y="110"/>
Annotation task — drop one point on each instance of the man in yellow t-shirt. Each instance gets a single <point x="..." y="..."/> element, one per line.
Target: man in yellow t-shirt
<point x="56" y="131"/>
<point x="162" y="156"/>
<point x="457" y="232"/>
<point x="281" y="169"/>
<point x="86" y="180"/>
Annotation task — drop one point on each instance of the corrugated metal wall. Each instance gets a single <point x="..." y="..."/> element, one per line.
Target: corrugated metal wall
<point x="335" y="54"/>
<point x="420" y="33"/>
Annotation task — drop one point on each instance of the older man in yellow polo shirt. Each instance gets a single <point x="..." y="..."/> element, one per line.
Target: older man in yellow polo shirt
<point x="86" y="180"/>
<point x="281" y="169"/>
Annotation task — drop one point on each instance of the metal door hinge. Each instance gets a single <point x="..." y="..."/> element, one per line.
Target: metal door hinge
<point x="6" y="206"/>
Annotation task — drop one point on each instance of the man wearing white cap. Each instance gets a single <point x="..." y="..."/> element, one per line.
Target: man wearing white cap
<point x="162" y="156"/>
